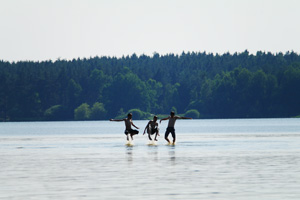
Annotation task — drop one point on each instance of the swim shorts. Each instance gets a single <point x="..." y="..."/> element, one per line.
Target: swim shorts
<point x="152" y="131"/>
<point x="170" y="130"/>
<point x="131" y="131"/>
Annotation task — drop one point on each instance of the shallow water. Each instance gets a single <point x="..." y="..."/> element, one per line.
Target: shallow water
<point x="212" y="159"/>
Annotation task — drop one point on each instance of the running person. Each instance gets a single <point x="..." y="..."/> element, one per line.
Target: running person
<point x="152" y="128"/>
<point x="171" y="126"/>
<point x="128" y="123"/>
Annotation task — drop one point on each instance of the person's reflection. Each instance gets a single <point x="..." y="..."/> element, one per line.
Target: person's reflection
<point x="172" y="155"/>
<point x="129" y="153"/>
<point x="153" y="153"/>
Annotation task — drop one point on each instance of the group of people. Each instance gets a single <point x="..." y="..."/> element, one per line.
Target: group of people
<point x="152" y="127"/>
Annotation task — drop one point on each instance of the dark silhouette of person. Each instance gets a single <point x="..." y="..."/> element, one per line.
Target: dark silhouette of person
<point x="152" y="128"/>
<point x="171" y="126"/>
<point x="128" y="122"/>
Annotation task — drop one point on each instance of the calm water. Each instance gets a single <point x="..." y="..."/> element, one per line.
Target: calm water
<point x="212" y="159"/>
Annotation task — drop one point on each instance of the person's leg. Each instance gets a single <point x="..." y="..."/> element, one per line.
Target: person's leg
<point x="167" y="134"/>
<point x="133" y="132"/>
<point x="173" y="135"/>
<point x="126" y="133"/>
<point x="149" y="136"/>
<point x="156" y="133"/>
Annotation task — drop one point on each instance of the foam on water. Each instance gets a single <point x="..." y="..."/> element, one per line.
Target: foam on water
<point x="152" y="143"/>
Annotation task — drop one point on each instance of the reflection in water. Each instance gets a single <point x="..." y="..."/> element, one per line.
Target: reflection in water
<point x="129" y="152"/>
<point x="153" y="152"/>
<point x="172" y="154"/>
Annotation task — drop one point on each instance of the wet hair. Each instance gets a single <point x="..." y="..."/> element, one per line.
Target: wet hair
<point x="155" y="117"/>
<point x="172" y="113"/>
<point x="129" y="114"/>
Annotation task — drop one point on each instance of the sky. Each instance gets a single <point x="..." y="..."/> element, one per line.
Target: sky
<point x="38" y="30"/>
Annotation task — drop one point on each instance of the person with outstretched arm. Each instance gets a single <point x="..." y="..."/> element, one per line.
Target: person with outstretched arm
<point x="128" y="122"/>
<point x="171" y="126"/>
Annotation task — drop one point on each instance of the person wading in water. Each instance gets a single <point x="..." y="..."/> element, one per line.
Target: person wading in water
<point x="172" y="119"/>
<point x="152" y="128"/>
<point x="128" y="122"/>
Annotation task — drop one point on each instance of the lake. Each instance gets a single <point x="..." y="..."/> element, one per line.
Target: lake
<point x="239" y="159"/>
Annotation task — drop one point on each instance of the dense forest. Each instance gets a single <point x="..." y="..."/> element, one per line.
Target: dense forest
<point x="196" y="84"/>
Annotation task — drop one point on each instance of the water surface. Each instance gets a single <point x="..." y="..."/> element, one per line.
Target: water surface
<point x="212" y="159"/>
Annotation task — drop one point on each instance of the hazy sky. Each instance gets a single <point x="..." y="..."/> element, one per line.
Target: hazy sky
<point x="67" y="29"/>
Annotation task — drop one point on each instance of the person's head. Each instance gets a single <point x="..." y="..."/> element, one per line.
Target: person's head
<point x="129" y="115"/>
<point x="155" y="118"/>
<point x="172" y="113"/>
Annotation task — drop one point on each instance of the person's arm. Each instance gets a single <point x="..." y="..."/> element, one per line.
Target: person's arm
<point x="146" y="128"/>
<point x="185" y="118"/>
<point x="134" y="125"/>
<point x="157" y="128"/>
<point x="164" y="119"/>
<point x="116" y="120"/>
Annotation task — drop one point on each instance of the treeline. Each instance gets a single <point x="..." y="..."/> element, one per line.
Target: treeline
<point x="239" y="85"/>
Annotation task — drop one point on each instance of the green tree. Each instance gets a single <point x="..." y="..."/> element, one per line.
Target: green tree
<point x="193" y="113"/>
<point x="170" y="97"/>
<point x="96" y="83"/>
<point x="218" y="86"/>
<point x="290" y="91"/>
<point x="137" y="114"/>
<point x="126" y="91"/>
<point x="82" y="112"/>
<point x="56" y="112"/>
<point x="257" y="91"/>
<point x="98" y="111"/>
